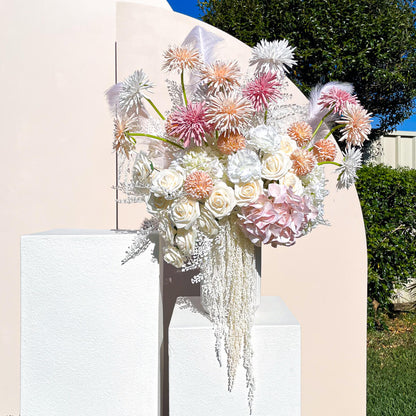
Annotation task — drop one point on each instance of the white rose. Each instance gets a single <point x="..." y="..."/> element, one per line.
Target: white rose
<point x="248" y="192"/>
<point x="287" y="145"/>
<point x="184" y="212"/>
<point x="142" y="169"/>
<point x="156" y="205"/>
<point x="244" y="166"/>
<point x="167" y="183"/>
<point x="290" y="179"/>
<point x="265" y="138"/>
<point x="275" y="166"/>
<point x="207" y="223"/>
<point x="173" y="256"/>
<point x="185" y="240"/>
<point x="221" y="201"/>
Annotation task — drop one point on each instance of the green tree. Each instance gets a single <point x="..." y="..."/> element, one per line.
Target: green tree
<point x="371" y="44"/>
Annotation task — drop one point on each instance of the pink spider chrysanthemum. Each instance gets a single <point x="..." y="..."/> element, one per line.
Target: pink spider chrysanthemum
<point x="337" y="98"/>
<point x="229" y="113"/>
<point x="357" y="124"/>
<point x="263" y="90"/>
<point x="179" y="58"/>
<point x="189" y="124"/>
<point x="221" y="76"/>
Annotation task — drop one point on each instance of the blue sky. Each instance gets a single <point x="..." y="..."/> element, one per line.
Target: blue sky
<point x="190" y="8"/>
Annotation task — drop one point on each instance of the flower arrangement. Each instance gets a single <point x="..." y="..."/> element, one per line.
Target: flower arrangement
<point x="230" y="167"/>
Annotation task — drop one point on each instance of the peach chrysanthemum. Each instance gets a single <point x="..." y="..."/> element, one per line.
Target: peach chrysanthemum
<point x="122" y="142"/>
<point x="324" y="150"/>
<point x="221" y="76"/>
<point x="229" y="113"/>
<point x="179" y="58"/>
<point x="230" y="143"/>
<point x="198" y="185"/>
<point x="303" y="161"/>
<point x="300" y="132"/>
<point x="357" y="124"/>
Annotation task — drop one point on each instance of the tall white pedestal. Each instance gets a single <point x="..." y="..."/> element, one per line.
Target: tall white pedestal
<point x="90" y="326"/>
<point x="198" y="386"/>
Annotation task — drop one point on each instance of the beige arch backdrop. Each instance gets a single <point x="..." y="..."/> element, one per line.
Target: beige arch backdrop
<point x="323" y="277"/>
<point x="62" y="169"/>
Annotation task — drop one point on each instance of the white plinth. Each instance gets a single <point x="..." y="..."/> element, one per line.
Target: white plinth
<point x="90" y="327"/>
<point x="198" y="386"/>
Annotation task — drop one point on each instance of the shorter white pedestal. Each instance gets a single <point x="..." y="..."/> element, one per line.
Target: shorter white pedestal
<point x="198" y="386"/>
<point x="91" y="327"/>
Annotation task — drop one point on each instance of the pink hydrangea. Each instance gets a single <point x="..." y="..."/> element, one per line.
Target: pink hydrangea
<point x="278" y="218"/>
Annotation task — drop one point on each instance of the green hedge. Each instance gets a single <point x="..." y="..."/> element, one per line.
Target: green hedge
<point x="388" y="202"/>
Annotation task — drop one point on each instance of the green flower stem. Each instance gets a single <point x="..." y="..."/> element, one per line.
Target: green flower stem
<point x="334" y="129"/>
<point x="157" y="138"/>
<point x="183" y="90"/>
<point x="321" y="122"/>
<point x="265" y="116"/>
<point x="155" y="108"/>
<point x="328" y="162"/>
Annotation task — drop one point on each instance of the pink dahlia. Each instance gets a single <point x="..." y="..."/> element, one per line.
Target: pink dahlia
<point x="263" y="90"/>
<point x="337" y="98"/>
<point x="189" y="124"/>
<point x="277" y="219"/>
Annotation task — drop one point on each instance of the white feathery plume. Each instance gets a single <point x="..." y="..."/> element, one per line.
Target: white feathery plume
<point x="112" y="95"/>
<point x="316" y="111"/>
<point x="205" y="43"/>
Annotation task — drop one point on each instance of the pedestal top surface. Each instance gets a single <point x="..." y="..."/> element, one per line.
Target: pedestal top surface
<point x="189" y="313"/>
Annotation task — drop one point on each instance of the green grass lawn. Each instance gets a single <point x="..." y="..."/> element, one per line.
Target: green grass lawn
<point x="391" y="368"/>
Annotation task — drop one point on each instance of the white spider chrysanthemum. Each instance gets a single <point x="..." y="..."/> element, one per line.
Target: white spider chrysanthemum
<point x="348" y="168"/>
<point x="229" y="113"/>
<point x="276" y="56"/>
<point x="133" y="90"/>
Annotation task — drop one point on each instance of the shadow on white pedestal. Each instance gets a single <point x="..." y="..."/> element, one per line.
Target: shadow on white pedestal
<point x="198" y="386"/>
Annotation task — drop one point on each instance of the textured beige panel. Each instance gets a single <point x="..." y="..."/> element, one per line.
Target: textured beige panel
<point x="404" y="150"/>
<point x="322" y="278"/>
<point x="390" y="151"/>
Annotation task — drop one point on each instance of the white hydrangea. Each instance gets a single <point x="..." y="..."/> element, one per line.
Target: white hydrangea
<point x="244" y="166"/>
<point x="203" y="159"/>
<point x="264" y="138"/>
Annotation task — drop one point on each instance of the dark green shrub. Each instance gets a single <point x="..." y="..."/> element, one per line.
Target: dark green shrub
<point x="388" y="202"/>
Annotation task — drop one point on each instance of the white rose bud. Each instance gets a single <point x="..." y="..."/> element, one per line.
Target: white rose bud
<point x="275" y="166"/>
<point x="167" y="183"/>
<point x="221" y="201"/>
<point x="166" y="230"/>
<point x="207" y="223"/>
<point x="173" y="256"/>
<point x="142" y="169"/>
<point x="185" y="240"/>
<point x="291" y="180"/>
<point x="248" y="192"/>
<point x="184" y="212"/>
